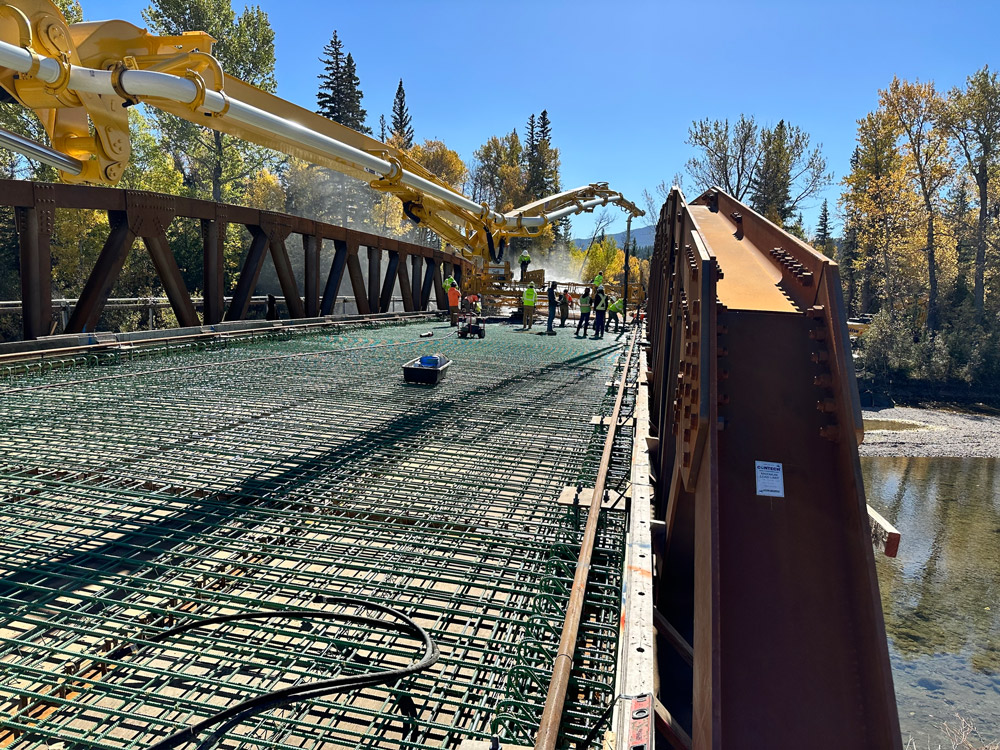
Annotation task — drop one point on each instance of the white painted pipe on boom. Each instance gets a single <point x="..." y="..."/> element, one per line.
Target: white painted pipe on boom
<point x="145" y="84"/>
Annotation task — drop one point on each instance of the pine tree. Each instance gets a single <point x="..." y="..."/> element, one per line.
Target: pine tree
<point x="771" y="185"/>
<point x="544" y="127"/>
<point x="382" y="132"/>
<point x="823" y="228"/>
<point x="550" y="182"/>
<point x="534" y="183"/>
<point x="402" y="131"/>
<point x="329" y="98"/>
<point x="339" y="96"/>
<point x="354" y="114"/>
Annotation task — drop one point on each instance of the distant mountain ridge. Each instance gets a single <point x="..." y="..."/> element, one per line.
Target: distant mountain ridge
<point x="643" y="237"/>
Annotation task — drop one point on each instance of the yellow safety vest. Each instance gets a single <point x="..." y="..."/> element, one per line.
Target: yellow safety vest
<point x="530" y="295"/>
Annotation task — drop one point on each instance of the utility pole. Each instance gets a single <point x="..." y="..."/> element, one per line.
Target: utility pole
<point x="628" y="240"/>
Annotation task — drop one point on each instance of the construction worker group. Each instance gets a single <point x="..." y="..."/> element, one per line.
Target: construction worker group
<point x="605" y="309"/>
<point x="597" y="307"/>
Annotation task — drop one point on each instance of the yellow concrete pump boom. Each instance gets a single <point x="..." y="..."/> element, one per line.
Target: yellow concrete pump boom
<point x="81" y="78"/>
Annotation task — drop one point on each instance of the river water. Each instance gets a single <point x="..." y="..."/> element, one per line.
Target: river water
<point x="941" y="595"/>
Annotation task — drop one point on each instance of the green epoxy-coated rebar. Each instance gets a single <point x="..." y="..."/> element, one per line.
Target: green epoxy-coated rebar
<point x="139" y="490"/>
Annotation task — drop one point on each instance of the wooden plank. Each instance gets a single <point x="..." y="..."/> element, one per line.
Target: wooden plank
<point x="606" y="421"/>
<point x="615" y="501"/>
<point x="637" y="639"/>
<point x="885" y="536"/>
<point x="670" y="729"/>
<point x="668" y="631"/>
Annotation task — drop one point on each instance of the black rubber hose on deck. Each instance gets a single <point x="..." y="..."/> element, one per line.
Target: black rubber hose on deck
<point x="309" y="690"/>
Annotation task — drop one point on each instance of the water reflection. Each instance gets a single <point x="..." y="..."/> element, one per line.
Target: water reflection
<point x="941" y="596"/>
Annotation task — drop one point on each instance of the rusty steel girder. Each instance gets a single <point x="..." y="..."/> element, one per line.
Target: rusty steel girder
<point x="767" y="601"/>
<point x="136" y="214"/>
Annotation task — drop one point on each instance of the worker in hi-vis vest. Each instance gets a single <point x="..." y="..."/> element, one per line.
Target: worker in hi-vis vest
<point x="524" y="260"/>
<point x="585" y="301"/>
<point x="454" y="300"/>
<point x="614" y="310"/>
<point x="599" y="280"/>
<point x="528" y="300"/>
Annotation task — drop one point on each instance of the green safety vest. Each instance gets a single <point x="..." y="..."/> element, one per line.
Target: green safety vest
<point x="585" y="304"/>
<point x="448" y="282"/>
<point x="525" y="258"/>
<point x="616" y="306"/>
<point x="530" y="295"/>
<point x="599" y="280"/>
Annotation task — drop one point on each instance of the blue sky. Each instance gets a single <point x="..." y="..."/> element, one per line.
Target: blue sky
<point x="622" y="81"/>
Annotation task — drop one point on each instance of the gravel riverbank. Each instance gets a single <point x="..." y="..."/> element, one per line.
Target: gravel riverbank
<point x="912" y="431"/>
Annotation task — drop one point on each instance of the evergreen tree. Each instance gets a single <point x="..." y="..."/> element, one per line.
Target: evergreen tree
<point x="339" y="96"/>
<point x="544" y="127"/>
<point x="531" y="135"/>
<point x="402" y="131"/>
<point x="329" y="97"/>
<point x="354" y="114"/>
<point x="548" y="156"/>
<point x="534" y="183"/>
<point x="382" y="132"/>
<point x="550" y="182"/>
<point x="823" y="228"/>
<point x="771" y="185"/>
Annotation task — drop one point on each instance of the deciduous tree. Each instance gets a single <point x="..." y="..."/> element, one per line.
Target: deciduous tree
<point x="727" y="157"/>
<point x="917" y="109"/>
<point x="212" y="163"/>
<point x="880" y="204"/>
<point x="972" y="118"/>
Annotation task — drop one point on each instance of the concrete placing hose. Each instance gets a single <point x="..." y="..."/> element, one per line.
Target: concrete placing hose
<point x="304" y="691"/>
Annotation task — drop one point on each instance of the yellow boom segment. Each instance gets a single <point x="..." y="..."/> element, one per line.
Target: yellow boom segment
<point x="81" y="78"/>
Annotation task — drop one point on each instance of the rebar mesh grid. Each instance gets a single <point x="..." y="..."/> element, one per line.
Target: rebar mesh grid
<point x="275" y="475"/>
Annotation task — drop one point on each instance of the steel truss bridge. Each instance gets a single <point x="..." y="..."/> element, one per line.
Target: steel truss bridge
<point x="659" y="538"/>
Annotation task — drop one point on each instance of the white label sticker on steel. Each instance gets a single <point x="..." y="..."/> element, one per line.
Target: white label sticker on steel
<point x="770" y="479"/>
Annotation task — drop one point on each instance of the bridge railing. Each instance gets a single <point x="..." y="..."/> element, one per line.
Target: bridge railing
<point x="134" y="214"/>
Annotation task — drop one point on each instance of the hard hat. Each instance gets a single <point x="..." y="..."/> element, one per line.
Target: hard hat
<point x="531" y="284"/>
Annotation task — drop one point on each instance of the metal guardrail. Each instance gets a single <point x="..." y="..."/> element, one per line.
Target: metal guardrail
<point x="64" y="307"/>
